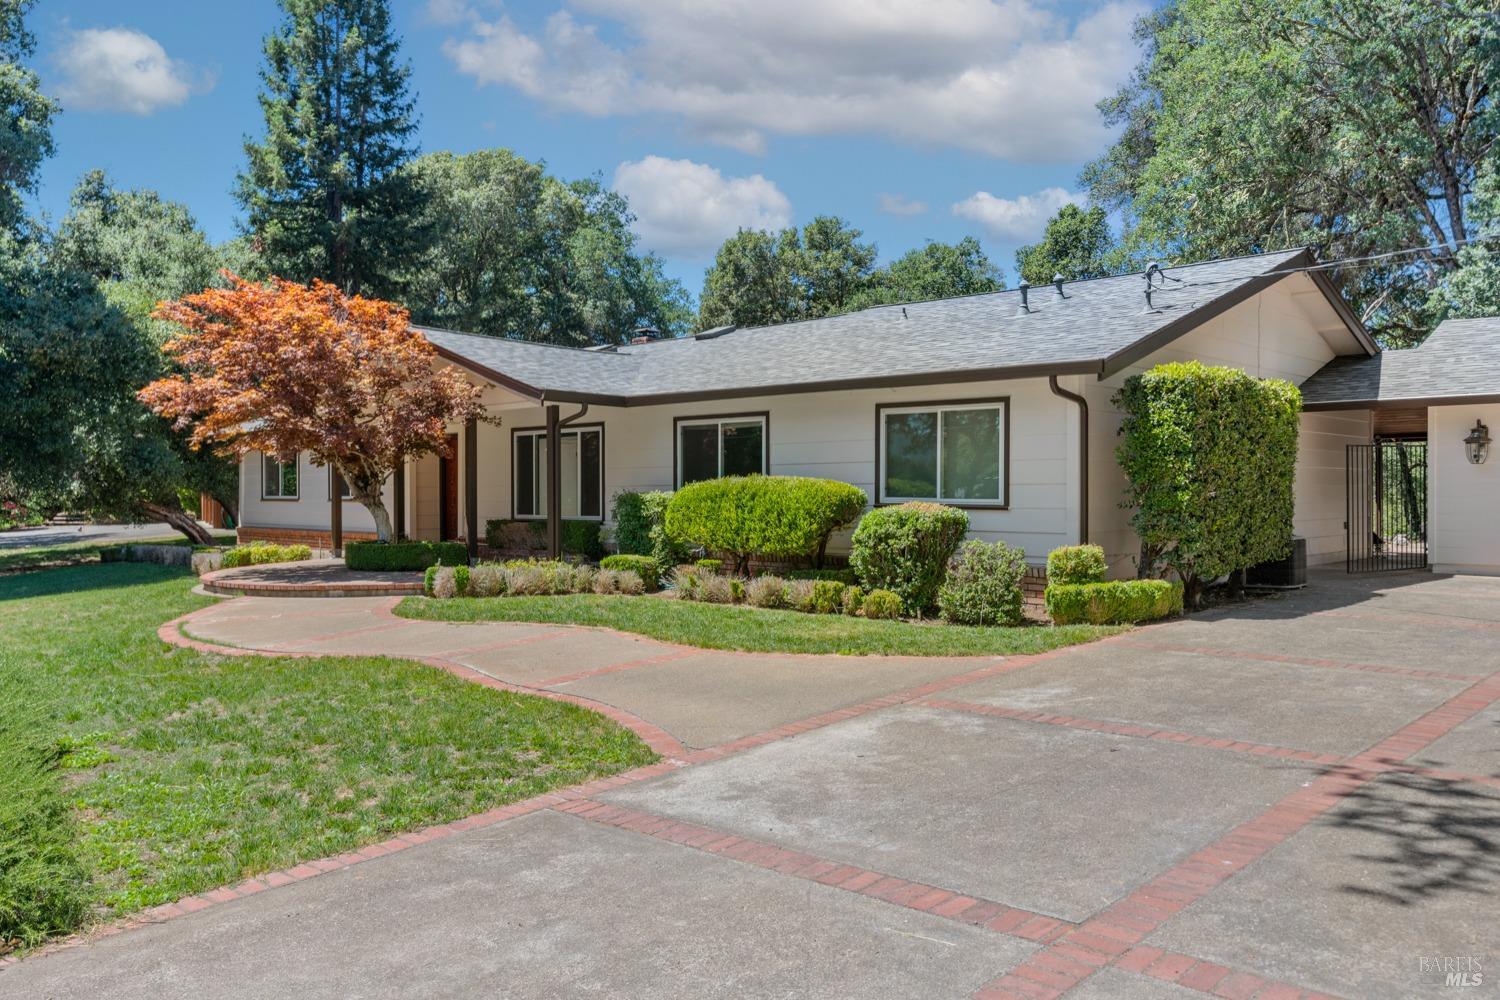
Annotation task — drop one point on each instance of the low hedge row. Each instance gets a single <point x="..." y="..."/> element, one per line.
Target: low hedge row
<point x="528" y="578"/>
<point x="1117" y="602"/>
<point x="820" y="597"/>
<point x="579" y="538"/>
<point x="642" y="566"/>
<point x="260" y="553"/>
<point x="397" y="556"/>
<point x="1076" y="564"/>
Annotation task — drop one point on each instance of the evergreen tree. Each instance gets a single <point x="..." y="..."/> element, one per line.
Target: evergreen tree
<point x="324" y="191"/>
<point x="933" y="271"/>
<point x="25" y="119"/>
<point x="1076" y="245"/>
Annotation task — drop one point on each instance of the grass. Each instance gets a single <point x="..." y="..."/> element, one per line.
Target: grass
<point x="718" y="626"/>
<point x="77" y="553"/>
<point x="183" y="771"/>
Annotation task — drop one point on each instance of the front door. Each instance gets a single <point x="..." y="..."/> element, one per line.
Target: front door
<point x="448" y="488"/>
<point x="1386" y="506"/>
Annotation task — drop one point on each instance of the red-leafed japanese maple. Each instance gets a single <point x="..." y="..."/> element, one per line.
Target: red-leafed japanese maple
<point x="283" y="368"/>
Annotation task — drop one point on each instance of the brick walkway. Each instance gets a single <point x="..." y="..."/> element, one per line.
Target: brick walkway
<point x="1293" y="798"/>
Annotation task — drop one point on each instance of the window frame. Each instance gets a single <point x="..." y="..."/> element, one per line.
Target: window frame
<point x="541" y="432"/>
<point x="1001" y="403"/>
<point x="279" y="497"/>
<point x="720" y="419"/>
<point x="347" y="498"/>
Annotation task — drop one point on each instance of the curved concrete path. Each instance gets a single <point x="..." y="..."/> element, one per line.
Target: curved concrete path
<point x="1297" y="798"/>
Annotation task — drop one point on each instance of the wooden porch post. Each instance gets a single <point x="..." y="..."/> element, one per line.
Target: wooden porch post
<point x="336" y="512"/>
<point x="554" y="485"/>
<point x="398" y="487"/>
<point x="471" y="485"/>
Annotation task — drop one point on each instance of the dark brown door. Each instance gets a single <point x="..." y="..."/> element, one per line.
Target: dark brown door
<point x="449" y="489"/>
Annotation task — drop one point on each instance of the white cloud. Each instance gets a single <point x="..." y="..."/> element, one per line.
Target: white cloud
<point x="1018" y="219"/>
<point x="1009" y="78"/>
<point x="686" y="209"/>
<point x="899" y="204"/>
<point x="120" y="69"/>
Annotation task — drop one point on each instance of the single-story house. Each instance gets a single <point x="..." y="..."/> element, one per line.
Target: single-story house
<point x="999" y="403"/>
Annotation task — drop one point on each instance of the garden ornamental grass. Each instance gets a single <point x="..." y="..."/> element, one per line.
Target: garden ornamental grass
<point x="181" y="771"/>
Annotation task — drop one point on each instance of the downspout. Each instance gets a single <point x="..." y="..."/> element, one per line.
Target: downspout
<point x="583" y="409"/>
<point x="1083" y="455"/>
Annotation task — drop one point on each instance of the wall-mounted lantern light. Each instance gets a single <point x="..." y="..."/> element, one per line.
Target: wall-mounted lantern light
<point x="1477" y="444"/>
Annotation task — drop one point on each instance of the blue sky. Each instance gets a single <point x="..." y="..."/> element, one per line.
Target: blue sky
<point x="913" y="120"/>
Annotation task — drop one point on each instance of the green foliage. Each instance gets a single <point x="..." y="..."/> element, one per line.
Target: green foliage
<point x="1210" y="455"/>
<point x="261" y="553"/>
<point x="1076" y="245"/>
<point x="1472" y="288"/>
<point x="1115" y="602"/>
<point x="759" y="277"/>
<point x="845" y="575"/>
<point x="641" y="528"/>
<point x="1261" y="124"/>
<point x="42" y="880"/>
<point x="398" y="556"/>
<point x="827" y="597"/>
<point x="1076" y="564"/>
<point x="324" y="189"/>
<point x="428" y="577"/>
<point x="710" y="565"/>
<point x="581" y="538"/>
<point x="983" y="586"/>
<point x="769" y="516"/>
<point x="512" y="251"/>
<point x="642" y="566"/>
<point x="905" y="549"/>
<point x="882" y="604"/>
<point x="25" y="120"/>
<point x="932" y="271"/>
<point x="854" y="600"/>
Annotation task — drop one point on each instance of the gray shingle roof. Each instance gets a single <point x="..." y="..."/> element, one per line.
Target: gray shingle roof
<point x="1460" y="360"/>
<point x="1098" y="326"/>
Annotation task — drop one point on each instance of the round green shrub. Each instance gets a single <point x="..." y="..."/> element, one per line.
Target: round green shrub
<point x="710" y="565"/>
<point x="640" y="528"/>
<point x="983" y="585"/>
<point x="428" y="577"/>
<point x="1076" y="564"/>
<point x="905" y="549"/>
<point x="854" y="600"/>
<point x="882" y="604"/>
<point x="774" y="517"/>
<point x="827" y="597"/>
<point x="642" y="566"/>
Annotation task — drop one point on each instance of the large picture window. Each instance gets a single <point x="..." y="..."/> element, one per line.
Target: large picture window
<point x="711" y="447"/>
<point x="278" y="479"/>
<point x="582" y="473"/>
<point x="949" y="452"/>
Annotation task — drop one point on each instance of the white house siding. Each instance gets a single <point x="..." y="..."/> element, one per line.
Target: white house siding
<point x="1463" y="499"/>
<point x="831" y="435"/>
<point x="311" y="508"/>
<point x="1279" y="333"/>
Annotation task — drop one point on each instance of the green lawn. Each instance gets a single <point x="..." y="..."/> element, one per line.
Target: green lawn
<point x="76" y="553"/>
<point x="717" y="626"/>
<point x="184" y="771"/>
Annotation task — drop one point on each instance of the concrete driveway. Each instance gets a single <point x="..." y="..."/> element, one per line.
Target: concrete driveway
<point x="1294" y="797"/>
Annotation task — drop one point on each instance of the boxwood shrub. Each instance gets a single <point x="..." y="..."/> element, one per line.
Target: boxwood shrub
<point x="641" y="530"/>
<point x="394" y="556"/>
<point x="642" y="566"/>
<point x="1076" y="564"/>
<point x="905" y="549"/>
<point x="1117" y="602"/>
<point x="882" y="604"/>
<point x="260" y="553"/>
<point x="983" y="586"/>
<point x="774" y="517"/>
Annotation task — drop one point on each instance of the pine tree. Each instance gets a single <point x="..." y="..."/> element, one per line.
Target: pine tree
<point x="324" y="191"/>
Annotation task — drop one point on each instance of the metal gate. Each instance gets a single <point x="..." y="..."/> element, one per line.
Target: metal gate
<point x="1386" y="506"/>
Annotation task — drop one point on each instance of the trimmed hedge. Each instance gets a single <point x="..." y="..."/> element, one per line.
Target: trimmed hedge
<point x="642" y="566"/>
<point x="260" y="553"/>
<point x="905" y="549"/>
<point x="1210" y="455"/>
<point x="845" y="576"/>
<point x="579" y="538"/>
<point x="882" y="604"/>
<point x="983" y="586"/>
<point x="1076" y="564"/>
<point x="395" y="556"/>
<point x="641" y="528"/>
<point x="1118" y="602"/>
<point x="774" y="517"/>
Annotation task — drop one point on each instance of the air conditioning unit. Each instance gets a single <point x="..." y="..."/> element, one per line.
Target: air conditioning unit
<point x="1288" y="573"/>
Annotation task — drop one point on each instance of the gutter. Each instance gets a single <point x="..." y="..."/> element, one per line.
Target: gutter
<point x="1083" y="455"/>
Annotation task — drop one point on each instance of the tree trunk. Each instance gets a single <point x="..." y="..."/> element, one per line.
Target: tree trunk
<point x="231" y="505"/>
<point x="1237" y="585"/>
<point x="1192" y="593"/>
<point x="182" y="521"/>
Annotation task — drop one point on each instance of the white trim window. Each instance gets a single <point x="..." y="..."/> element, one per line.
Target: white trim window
<point x="278" y="479"/>
<point x="950" y="453"/>
<point x="714" y="447"/>
<point x="582" y="479"/>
